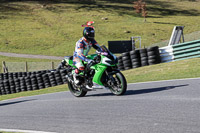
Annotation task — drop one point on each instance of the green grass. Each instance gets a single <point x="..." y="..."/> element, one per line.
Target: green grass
<point x="189" y="68"/>
<point x="9" y="132"/>
<point x="174" y="70"/>
<point x="52" y="28"/>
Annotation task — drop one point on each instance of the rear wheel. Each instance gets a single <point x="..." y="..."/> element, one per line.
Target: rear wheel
<point x="120" y="85"/>
<point x="78" y="92"/>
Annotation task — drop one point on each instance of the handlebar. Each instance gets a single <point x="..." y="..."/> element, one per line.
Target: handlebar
<point x="95" y="61"/>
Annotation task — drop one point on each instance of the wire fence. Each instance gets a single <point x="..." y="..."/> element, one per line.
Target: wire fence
<point x="27" y="66"/>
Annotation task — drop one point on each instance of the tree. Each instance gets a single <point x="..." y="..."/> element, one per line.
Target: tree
<point x="144" y="11"/>
<point x="140" y="8"/>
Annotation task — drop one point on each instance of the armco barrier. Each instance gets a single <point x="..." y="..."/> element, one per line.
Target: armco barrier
<point x="180" y="51"/>
<point x="166" y="54"/>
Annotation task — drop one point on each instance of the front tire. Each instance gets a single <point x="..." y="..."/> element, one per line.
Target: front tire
<point x="77" y="92"/>
<point x="120" y="86"/>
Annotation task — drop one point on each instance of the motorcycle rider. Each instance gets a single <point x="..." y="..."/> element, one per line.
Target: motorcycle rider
<point x="83" y="46"/>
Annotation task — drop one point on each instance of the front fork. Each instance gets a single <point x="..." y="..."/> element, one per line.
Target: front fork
<point x="111" y="80"/>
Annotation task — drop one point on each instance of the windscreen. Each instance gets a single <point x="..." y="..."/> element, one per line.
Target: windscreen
<point x="105" y="49"/>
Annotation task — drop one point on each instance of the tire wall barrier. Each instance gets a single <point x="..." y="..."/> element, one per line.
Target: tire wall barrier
<point x="139" y="58"/>
<point x="180" y="51"/>
<point x="27" y="81"/>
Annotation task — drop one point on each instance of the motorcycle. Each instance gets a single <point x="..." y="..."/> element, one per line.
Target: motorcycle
<point x="102" y="73"/>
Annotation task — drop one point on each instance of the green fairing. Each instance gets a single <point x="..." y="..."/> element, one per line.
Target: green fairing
<point x="91" y="56"/>
<point x="70" y="62"/>
<point x="99" y="70"/>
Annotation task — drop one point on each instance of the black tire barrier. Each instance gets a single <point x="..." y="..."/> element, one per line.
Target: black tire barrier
<point x="59" y="80"/>
<point x="5" y="76"/>
<point x="135" y="58"/>
<point x="46" y="80"/>
<point x="2" y="88"/>
<point x="6" y="86"/>
<point x="23" y="84"/>
<point x="120" y="63"/>
<point x="144" y="57"/>
<point x="63" y="73"/>
<point x="19" y="74"/>
<point x="28" y="81"/>
<point x="1" y="93"/>
<point x="17" y="85"/>
<point x="1" y="77"/>
<point x="29" y="73"/>
<point x="126" y="60"/>
<point x="139" y="58"/>
<point x="12" y="86"/>
<point x="52" y="79"/>
<point x="15" y="75"/>
<point x="10" y="75"/>
<point x="153" y="55"/>
<point x="154" y="48"/>
<point x="125" y="54"/>
<point x="34" y="82"/>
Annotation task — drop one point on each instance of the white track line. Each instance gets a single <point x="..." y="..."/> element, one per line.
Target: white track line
<point x="23" y="131"/>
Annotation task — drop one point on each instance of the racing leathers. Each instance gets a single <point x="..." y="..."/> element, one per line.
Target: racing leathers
<point x="82" y="48"/>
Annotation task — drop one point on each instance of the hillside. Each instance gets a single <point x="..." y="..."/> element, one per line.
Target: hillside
<point x="52" y="27"/>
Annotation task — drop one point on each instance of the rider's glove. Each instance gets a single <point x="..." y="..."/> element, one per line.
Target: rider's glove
<point x="104" y="53"/>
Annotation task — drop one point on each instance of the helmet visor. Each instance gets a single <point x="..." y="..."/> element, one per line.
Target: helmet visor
<point x="91" y="34"/>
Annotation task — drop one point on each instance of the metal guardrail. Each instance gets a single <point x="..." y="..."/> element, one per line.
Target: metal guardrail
<point x="180" y="51"/>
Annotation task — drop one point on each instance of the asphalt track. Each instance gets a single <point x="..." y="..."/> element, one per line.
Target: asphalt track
<point x="153" y="107"/>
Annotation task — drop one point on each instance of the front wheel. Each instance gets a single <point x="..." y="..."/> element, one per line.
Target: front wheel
<point x="78" y="92"/>
<point x="120" y="85"/>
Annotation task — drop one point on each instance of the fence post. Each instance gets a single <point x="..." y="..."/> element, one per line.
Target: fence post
<point x="52" y="65"/>
<point x="2" y="67"/>
<point x="26" y="66"/>
<point x="5" y="69"/>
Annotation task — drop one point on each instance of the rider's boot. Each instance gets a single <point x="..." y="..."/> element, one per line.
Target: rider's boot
<point x="76" y="77"/>
<point x="97" y="86"/>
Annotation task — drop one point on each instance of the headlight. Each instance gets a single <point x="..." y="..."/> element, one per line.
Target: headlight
<point x="112" y="62"/>
<point x="109" y="62"/>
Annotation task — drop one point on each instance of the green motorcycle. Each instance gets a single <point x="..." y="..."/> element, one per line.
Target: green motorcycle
<point x="100" y="74"/>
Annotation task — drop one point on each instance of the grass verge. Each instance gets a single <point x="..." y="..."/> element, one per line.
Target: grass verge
<point x="189" y="68"/>
<point x="36" y="92"/>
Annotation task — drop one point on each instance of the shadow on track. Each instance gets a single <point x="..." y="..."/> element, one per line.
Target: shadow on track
<point x="10" y="103"/>
<point x="151" y="90"/>
<point x="143" y="91"/>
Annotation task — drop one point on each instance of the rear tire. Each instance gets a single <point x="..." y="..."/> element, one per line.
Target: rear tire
<point x="121" y="86"/>
<point x="76" y="92"/>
